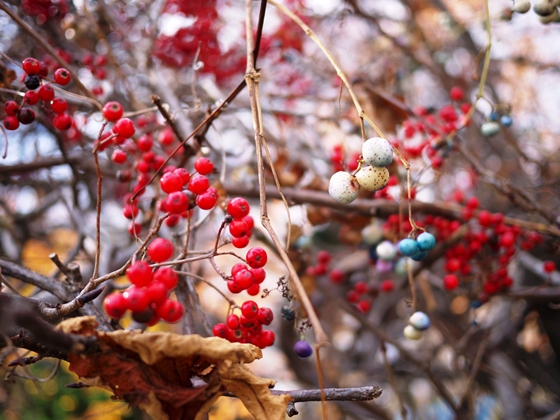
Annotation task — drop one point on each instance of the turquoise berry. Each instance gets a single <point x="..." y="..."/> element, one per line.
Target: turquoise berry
<point x="408" y="247"/>
<point x="506" y="121"/>
<point x="419" y="256"/>
<point x="494" y="116"/>
<point x="426" y="241"/>
<point x="420" y="321"/>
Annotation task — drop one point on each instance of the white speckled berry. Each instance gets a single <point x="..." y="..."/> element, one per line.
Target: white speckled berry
<point x="412" y="333"/>
<point x="521" y="6"/>
<point x="386" y="250"/>
<point x="343" y="187"/>
<point x="420" y="321"/>
<point x="490" y="128"/>
<point x="372" y="178"/>
<point x="377" y="152"/>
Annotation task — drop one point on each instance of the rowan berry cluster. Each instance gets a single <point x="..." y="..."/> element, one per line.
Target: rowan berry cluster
<point x="148" y="296"/>
<point x="247" y="327"/>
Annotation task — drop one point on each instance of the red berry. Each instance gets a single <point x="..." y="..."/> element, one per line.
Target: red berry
<point x="113" y="111"/>
<point x="176" y="202"/>
<point x="198" y="184"/>
<point x="167" y="276"/>
<point x="11" y="107"/>
<point x="387" y="286"/>
<point x="237" y="268"/>
<point x="450" y="282"/>
<point x="220" y="330"/>
<point x="453" y="264"/>
<point x="233" y="322"/>
<point x="170" y="311"/>
<point x="238" y="208"/>
<point x="208" y="199"/>
<point x="31" y="65"/>
<point x="11" y="122"/>
<point x="139" y="273"/>
<point x="119" y="156"/>
<point x="267" y="338"/>
<point x="254" y="290"/>
<point x="59" y="105"/>
<point x="473" y="203"/>
<point x="31" y="97"/>
<point x="238" y="228"/>
<point x="46" y="93"/>
<point x="173" y="220"/>
<point x="115" y="305"/>
<point x="265" y="316"/>
<point x="336" y="276"/>
<point x="549" y="266"/>
<point x="26" y="115"/>
<point x="241" y="242"/>
<point x="258" y="274"/>
<point x="134" y="228"/>
<point x="484" y="218"/>
<point x="243" y="279"/>
<point x="171" y="182"/>
<point x="166" y="136"/>
<point x="360" y="287"/>
<point x="130" y="211"/>
<point x="62" y="121"/>
<point x="364" y="306"/>
<point x="323" y="257"/>
<point x="256" y="257"/>
<point x="233" y="287"/>
<point x="457" y="94"/>
<point x="136" y="298"/>
<point x="249" y="220"/>
<point x="124" y="127"/>
<point x="183" y="174"/>
<point x="160" y="250"/>
<point x="145" y="143"/>
<point x="157" y="292"/>
<point x="99" y="61"/>
<point x="62" y="77"/>
<point x="507" y="239"/>
<point x="249" y="309"/>
<point x="204" y="166"/>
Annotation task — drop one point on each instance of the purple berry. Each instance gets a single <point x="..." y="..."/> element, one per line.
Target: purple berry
<point x="303" y="349"/>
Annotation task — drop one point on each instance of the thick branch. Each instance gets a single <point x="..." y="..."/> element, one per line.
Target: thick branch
<point x="36" y="279"/>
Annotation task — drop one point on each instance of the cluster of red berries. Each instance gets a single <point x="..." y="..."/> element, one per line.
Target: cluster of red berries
<point x="242" y="224"/>
<point x="249" y="277"/>
<point x="148" y="297"/>
<point x="248" y="327"/>
<point x="44" y="10"/>
<point x="35" y="72"/>
<point x="96" y="65"/>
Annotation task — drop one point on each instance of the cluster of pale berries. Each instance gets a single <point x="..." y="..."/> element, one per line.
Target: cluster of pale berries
<point x="417" y="324"/>
<point x="546" y="9"/>
<point x="377" y="153"/>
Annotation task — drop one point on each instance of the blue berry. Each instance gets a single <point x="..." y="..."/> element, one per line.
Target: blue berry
<point x="419" y="256"/>
<point x="506" y="120"/>
<point x="476" y="304"/>
<point x="494" y="116"/>
<point x="303" y="349"/>
<point x="420" y="321"/>
<point x="408" y="247"/>
<point x="426" y="241"/>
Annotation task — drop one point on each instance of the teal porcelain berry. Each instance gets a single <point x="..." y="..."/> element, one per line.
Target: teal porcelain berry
<point x="494" y="116"/>
<point x="420" y="321"/>
<point x="408" y="247"/>
<point x="426" y="241"/>
<point x="490" y="128"/>
<point x="419" y="256"/>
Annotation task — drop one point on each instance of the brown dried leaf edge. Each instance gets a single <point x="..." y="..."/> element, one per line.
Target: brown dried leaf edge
<point x="173" y="376"/>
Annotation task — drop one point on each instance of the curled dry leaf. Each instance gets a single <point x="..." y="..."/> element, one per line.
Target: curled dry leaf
<point x="173" y="376"/>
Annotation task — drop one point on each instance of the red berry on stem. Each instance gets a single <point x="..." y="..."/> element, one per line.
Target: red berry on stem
<point x="267" y="338"/>
<point x="11" y="107"/>
<point x="166" y="136"/>
<point x="207" y="199"/>
<point x="549" y="266"/>
<point x="238" y="228"/>
<point x="11" y="122"/>
<point x="256" y="257"/>
<point x="170" y="311"/>
<point x="160" y="250"/>
<point x="243" y="279"/>
<point x="136" y="299"/>
<point x="364" y="306"/>
<point x="237" y="268"/>
<point x="59" y="105"/>
<point x="204" y="166"/>
<point x="139" y="273"/>
<point x="157" y="292"/>
<point x="220" y="330"/>
<point x="457" y="94"/>
<point x="26" y="115"/>
<point x="387" y="286"/>
<point x="31" y="65"/>
<point x="241" y="242"/>
<point x="119" y="156"/>
<point x="171" y="182"/>
<point x="233" y="321"/>
<point x="31" y="97"/>
<point x="198" y="184"/>
<point x="167" y="276"/>
<point x="336" y="276"/>
<point x="265" y="316"/>
<point x="450" y="282"/>
<point x="124" y="127"/>
<point x="323" y="257"/>
<point x="62" y="121"/>
<point x="176" y="202"/>
<point x="254" y="290"/>
<point x="145" y="143"/>
<point x="46" y="93"/>
<point x="62" y="77"/>
<point x="238" y="208"/>
<point x="112" y="111"/>
<point x="258" y="274"/>
<point x="115" y="305"/>
<point x="183" y="174"/>
<point x="130" y="211"/>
